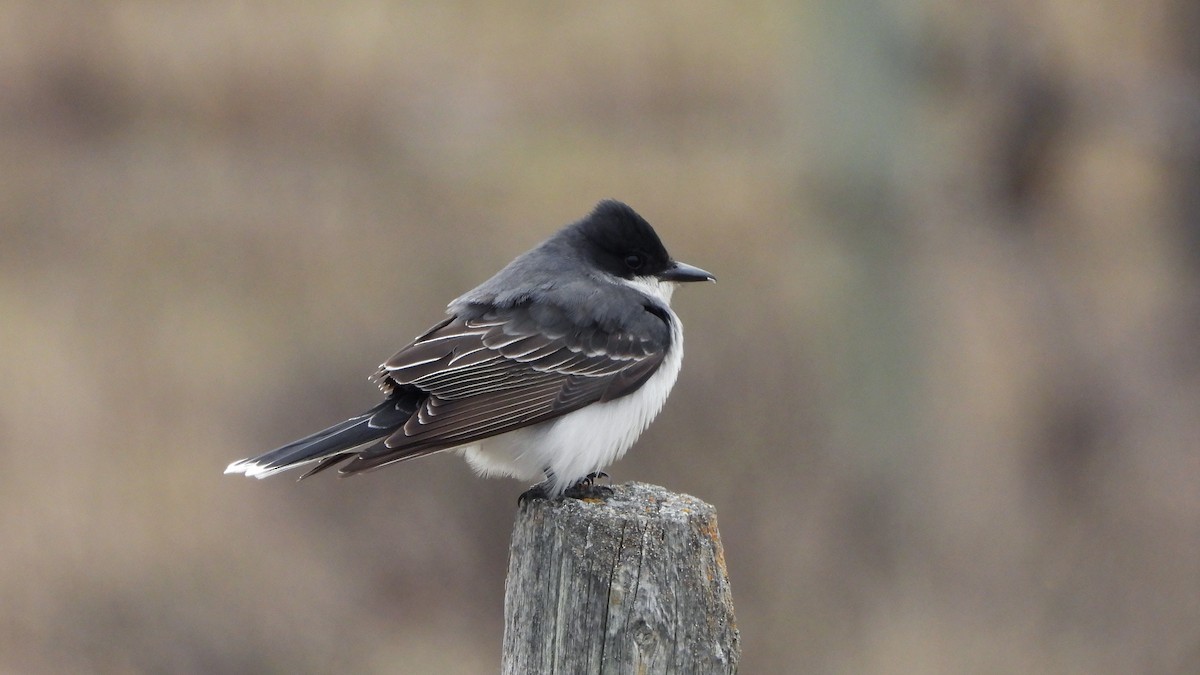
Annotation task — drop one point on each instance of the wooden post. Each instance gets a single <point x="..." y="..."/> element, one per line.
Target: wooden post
<point x="631" y="583"/>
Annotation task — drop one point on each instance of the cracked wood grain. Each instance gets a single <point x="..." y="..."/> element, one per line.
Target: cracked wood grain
<point x="634" y="582"/>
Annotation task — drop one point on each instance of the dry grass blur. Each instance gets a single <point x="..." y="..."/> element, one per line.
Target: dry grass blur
<point x="945" y="397"/>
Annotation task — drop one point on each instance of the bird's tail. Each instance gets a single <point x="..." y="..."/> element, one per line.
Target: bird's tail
<point x="330" y="446"/>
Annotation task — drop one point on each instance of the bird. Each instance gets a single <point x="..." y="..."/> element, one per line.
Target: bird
<point x="549" y="370"/>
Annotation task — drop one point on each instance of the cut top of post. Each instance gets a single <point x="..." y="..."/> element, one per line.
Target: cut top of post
<point x="632" y="582"/>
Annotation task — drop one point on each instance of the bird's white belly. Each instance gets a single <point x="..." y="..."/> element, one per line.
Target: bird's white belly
<point x="587" y="440"/>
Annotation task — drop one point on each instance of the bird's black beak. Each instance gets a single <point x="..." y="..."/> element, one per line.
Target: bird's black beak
<point x="684" y="272"/>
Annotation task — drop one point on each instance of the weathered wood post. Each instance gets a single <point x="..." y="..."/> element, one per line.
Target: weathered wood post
<point x="632" y="583"/>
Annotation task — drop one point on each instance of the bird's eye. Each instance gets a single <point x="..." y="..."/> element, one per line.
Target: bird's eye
<point x="634" y="261"/>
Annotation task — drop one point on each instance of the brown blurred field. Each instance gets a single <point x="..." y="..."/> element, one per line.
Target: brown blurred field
<point x="945" y="396"/>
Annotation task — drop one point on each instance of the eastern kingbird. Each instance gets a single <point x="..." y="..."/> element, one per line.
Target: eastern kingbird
<point x="550" y="369"/>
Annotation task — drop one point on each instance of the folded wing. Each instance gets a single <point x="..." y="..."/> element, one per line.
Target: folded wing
<point x="504" y="369"/>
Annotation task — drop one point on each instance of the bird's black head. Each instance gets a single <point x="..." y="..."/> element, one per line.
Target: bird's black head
<point x="622" y="243"/>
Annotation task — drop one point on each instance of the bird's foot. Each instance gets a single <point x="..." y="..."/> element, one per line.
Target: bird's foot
<point x="539" y="491"/>
<point x="584" y="488"/>
<point x="588" y="487"/>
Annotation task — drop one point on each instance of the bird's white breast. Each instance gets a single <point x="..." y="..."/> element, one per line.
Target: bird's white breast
<point x="591" y="438"/>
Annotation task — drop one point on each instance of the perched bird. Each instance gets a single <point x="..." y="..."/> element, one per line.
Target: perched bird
<point x="550" y="369"/>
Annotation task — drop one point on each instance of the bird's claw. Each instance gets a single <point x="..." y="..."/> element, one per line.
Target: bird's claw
<point x="587" y="487"/>
<point x="535" y="492"/>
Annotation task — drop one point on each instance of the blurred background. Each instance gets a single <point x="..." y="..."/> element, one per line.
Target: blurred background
<point x="945" y="396"/>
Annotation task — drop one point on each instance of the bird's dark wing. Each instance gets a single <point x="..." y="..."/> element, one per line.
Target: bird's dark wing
<point x="496" y="370"/>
